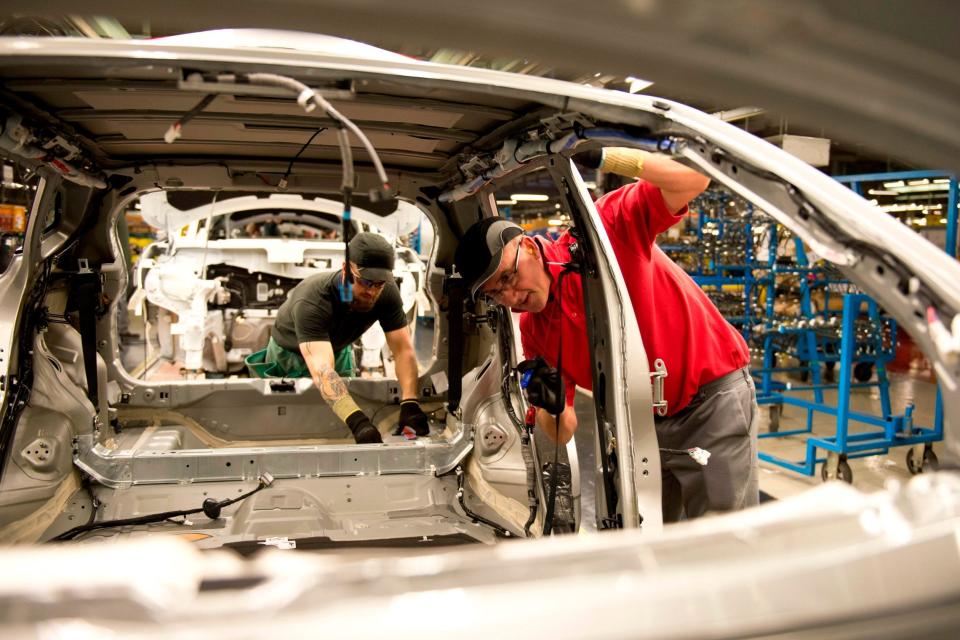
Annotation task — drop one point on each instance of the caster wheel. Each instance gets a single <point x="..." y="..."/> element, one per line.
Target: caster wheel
<point x="863" y="371"/>
<point x="928" y="461"/>
<point x="844" y="472"/>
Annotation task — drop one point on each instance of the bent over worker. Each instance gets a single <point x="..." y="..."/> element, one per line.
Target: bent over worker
<point x="315" y="330"/>
<point x="711" y="400"/>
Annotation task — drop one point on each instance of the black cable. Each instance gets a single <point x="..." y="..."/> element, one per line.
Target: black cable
<point x="94" y="502"/>
<point x="147" y="519"/>
<point x="508" y="372"/>
<point x="555" y="476"/>
<point x="175" y="129"/>
<point x="193" y="113"/>
<point x="346" y="280"/>
<point x="286" y="174"/>
<point x="17" y="401"/>
<point x="475" y="516"/>
<point x="211" y="508"/>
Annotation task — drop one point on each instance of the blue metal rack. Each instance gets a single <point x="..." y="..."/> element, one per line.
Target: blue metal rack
<point x="856" y="183"/>
<point x="888" y="430"/>
<point x="812" y="338"/>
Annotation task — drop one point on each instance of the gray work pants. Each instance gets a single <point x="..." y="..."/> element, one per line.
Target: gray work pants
<point x="721" y="418"/>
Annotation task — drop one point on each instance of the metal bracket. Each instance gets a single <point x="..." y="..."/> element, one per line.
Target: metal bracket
<point x="563" y="123"/>
<point x="213" y="84"/>
<point x="656" y="379"/>
<point x="83" y="266"/>
<point x="488" y="318"/>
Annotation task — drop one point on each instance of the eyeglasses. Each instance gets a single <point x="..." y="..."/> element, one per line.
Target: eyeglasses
<point x="507" y="279"/>
<point x="369" y="284"/>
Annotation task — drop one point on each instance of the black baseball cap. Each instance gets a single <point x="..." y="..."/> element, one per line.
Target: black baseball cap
<point x="373" y="256"/>
<point x="481" y="249"/>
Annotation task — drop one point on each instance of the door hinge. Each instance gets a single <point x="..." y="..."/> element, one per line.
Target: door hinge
<point x="656" y="379"/>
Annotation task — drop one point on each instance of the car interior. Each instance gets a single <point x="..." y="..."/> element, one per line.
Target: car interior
<point x="93" y="451"/>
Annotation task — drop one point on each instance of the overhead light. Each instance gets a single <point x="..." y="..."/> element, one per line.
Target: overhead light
<point x="556" y="206"/>
<point x="922" y="188"/>
<point x="882" y="192"/>
<point x="507" y="202"/>
<point x="921" y="222"/>
<point x="636" y="84"/>
<point x="529" y="197"/>
<point x="942" y="181"/>
<point x="914" y="183"/>
<point x="874" y="201"/>
<point x="589" y="184"/>
<point x="737" y="114"/>
<point x="555" y="222"/>
<point x="902" y="207"/>
<point x="891" y="185"/>
<point x="943" y="221"/>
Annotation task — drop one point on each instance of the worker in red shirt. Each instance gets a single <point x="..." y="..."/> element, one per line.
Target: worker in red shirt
<point x="711" y="400"/>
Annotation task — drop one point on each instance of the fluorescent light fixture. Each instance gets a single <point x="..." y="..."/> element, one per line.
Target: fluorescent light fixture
<point x="507" y="202"/>
<point x="942" y="181"/>
<point x="914" y="183"/>
<point x="636" y="85"/>
<point x="902" y="207"/>
<point x="943" y="221"/>
<point x="529" y="197"/>
<point x="555" y="222"/>
<point x="921" y="222"/>
<point x="891" y="185"/>
<point x="882" y="192"/>
<point x="922" y="188"/>
<point x="874" y="201"/>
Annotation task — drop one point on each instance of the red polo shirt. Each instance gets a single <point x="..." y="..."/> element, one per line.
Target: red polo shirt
<point x="677" y="321"/>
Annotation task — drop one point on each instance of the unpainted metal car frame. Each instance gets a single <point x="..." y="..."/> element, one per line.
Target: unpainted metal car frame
<point x="447" y="484"/>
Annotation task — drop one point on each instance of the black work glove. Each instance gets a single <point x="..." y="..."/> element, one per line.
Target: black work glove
<point x="363" y="430"/>
<point x="543" y="385"/>
<point x="413" y="421"/>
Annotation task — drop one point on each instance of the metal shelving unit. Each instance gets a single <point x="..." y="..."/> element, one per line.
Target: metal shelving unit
<point x="735" y="254"/>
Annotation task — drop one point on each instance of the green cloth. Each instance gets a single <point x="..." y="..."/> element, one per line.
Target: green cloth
<point x="277" y="362"/>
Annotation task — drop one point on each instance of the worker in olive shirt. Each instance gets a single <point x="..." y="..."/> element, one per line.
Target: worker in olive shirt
<point x="315" y="330"/>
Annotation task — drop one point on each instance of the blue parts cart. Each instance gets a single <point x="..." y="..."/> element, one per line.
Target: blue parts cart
<point x="804" y="318"/>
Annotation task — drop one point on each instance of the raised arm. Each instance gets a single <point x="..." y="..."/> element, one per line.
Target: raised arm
<point x="320" y="361"/>
<point x="678" y="184"/>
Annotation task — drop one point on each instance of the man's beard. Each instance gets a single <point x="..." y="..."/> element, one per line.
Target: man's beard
<point x="362" y="304"/>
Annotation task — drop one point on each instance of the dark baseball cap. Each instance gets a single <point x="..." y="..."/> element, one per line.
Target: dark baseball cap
<point x="481" y="249"/>
<point x="373" y="256"/>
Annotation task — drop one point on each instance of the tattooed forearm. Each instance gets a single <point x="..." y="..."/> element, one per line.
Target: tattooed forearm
<point x="330" y="384"/>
